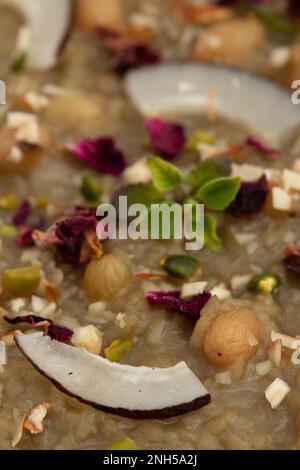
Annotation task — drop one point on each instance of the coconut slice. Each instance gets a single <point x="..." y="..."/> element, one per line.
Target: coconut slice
<point x="134" y="392"/>
<point x="48" y="24"/>
<point x="263" y="106"/>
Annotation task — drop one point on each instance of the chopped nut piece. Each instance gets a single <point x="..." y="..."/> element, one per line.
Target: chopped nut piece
<point x="281" y="199"/>
<point x="88" y="337"/>
<point x="220" y="291"/>
<point x="239" y="281"/>
<point x="34" y="421"/>
<point x="263" y="368"/>
<point x="289" y="342"/>
<point x="296" y="357"/>
<point x="3" y="356"/>
<point x="139" y="172"/>
<point x="9" y="338"/>
<point x="291" y="180"/>
<point x="274" y="352"/>
<point x="276" y="392"/>
<point x="192" y="289"/>
<point x="223" y="378"/>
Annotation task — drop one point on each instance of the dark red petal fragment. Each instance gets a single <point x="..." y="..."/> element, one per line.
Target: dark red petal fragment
<point x="134" y="56"/>
<point x="291" y="258"/>
<point x="263" y="148"/>
<point x="59" y="333"/>
<point x="293" y="8"/>
<point x="30" y="319"/>
<point x="21" y="214"/>
<point x="100" y="154"/>
<point x="70" y="234"/>
<point x="166" y="138"/>
<point x="191" y="308"/>
<point x="250" y="198"/>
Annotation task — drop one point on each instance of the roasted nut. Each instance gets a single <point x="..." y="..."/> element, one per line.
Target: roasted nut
<point x="94" y="13"/>
<point x="233" y="42"/>
<point x="106" y="278"/>
<point x="232" y="335"/>
<point x="29" y="155"/>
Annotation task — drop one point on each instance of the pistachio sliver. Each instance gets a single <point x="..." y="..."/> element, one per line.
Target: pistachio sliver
<point x="118" y="349"/>
<point x="8" y="231"/>
<point x="264" y="283"/>
<point x="124" y="444"/>
<point x="180" y="266"/>
<point x="21" y="282"/>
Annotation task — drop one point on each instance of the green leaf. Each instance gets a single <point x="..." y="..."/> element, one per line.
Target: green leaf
<point x="198" y="137"/>
<point x="19" y="63"/>
<point x="211" y="238"/>
<point x="90" y="189"/>
<point x="180" y="266"/>
<point x="219" y="193"/>
<point x="165" y="175"/>
<point x="209" y="170"/>
<point x="146" y="194"/>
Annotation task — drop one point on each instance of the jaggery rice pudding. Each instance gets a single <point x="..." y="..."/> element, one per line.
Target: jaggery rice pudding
<point x="110" y="342"/>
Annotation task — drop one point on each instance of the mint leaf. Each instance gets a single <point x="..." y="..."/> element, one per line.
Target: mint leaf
<point x="145" y="194"/>
<point x="209" y="170"/>
<point x="211" y="238"/>
<point x="218" y="194"/>
<point x="165" y="175"/>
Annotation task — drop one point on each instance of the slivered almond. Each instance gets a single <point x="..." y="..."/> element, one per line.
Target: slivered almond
<point x="274" y="352"/>
<point x="34" y="420"/>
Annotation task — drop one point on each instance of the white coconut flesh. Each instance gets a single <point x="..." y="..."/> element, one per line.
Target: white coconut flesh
<point x="48" y="23"/>
<point x="263" y="106"/>
<point x="136" y="392"/>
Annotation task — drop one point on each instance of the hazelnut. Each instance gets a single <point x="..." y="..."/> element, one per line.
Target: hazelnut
<point x="106" y="278"/>
<point x="232" y="335"/>
<point x="233" y="42"/>
<point x="94" y="13"/>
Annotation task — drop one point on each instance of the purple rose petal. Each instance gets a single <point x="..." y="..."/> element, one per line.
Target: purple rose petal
<point x="250" y="198"/>
<point x="21" y="214"/>
<point x="134" y="56"/>
<point x="59" y="333"/>
<point x="100" y="154"/>
<point x="190" y="308"/>
<point x="291" y="258"/>
<point x="30" y="319"/>
<point x="166" y="138"/>
<point x="263" y="148"/>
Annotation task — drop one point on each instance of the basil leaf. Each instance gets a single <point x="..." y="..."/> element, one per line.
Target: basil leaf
<point x="209" y="170"/>
<point x="145" y="194"/>
<point x="211" y="238"/>
<point x="218" y="194"/>
<point x="180" y="266"/>
<point x="165" y="175"/>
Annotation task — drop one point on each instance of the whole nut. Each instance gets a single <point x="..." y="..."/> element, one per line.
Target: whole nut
<point x="106" y="278"/>
<point x="231" y="336"/>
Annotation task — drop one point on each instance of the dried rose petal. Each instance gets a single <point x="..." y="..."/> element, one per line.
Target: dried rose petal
<point x="21" y="214"/>
<point x="30" y="319"/>
<point x="59" y="333"/>
<point x="250" y="198"/>
<point x="133" y="56"/>
<point x="291" y="258"/>
<point x="191" y="308"/>
<point x="71" y="235"/>
<point x="166" y="138"/>
<point x="263" y="148"/>
<point x="100" y="154"/>
<point x="293" y="7"/>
